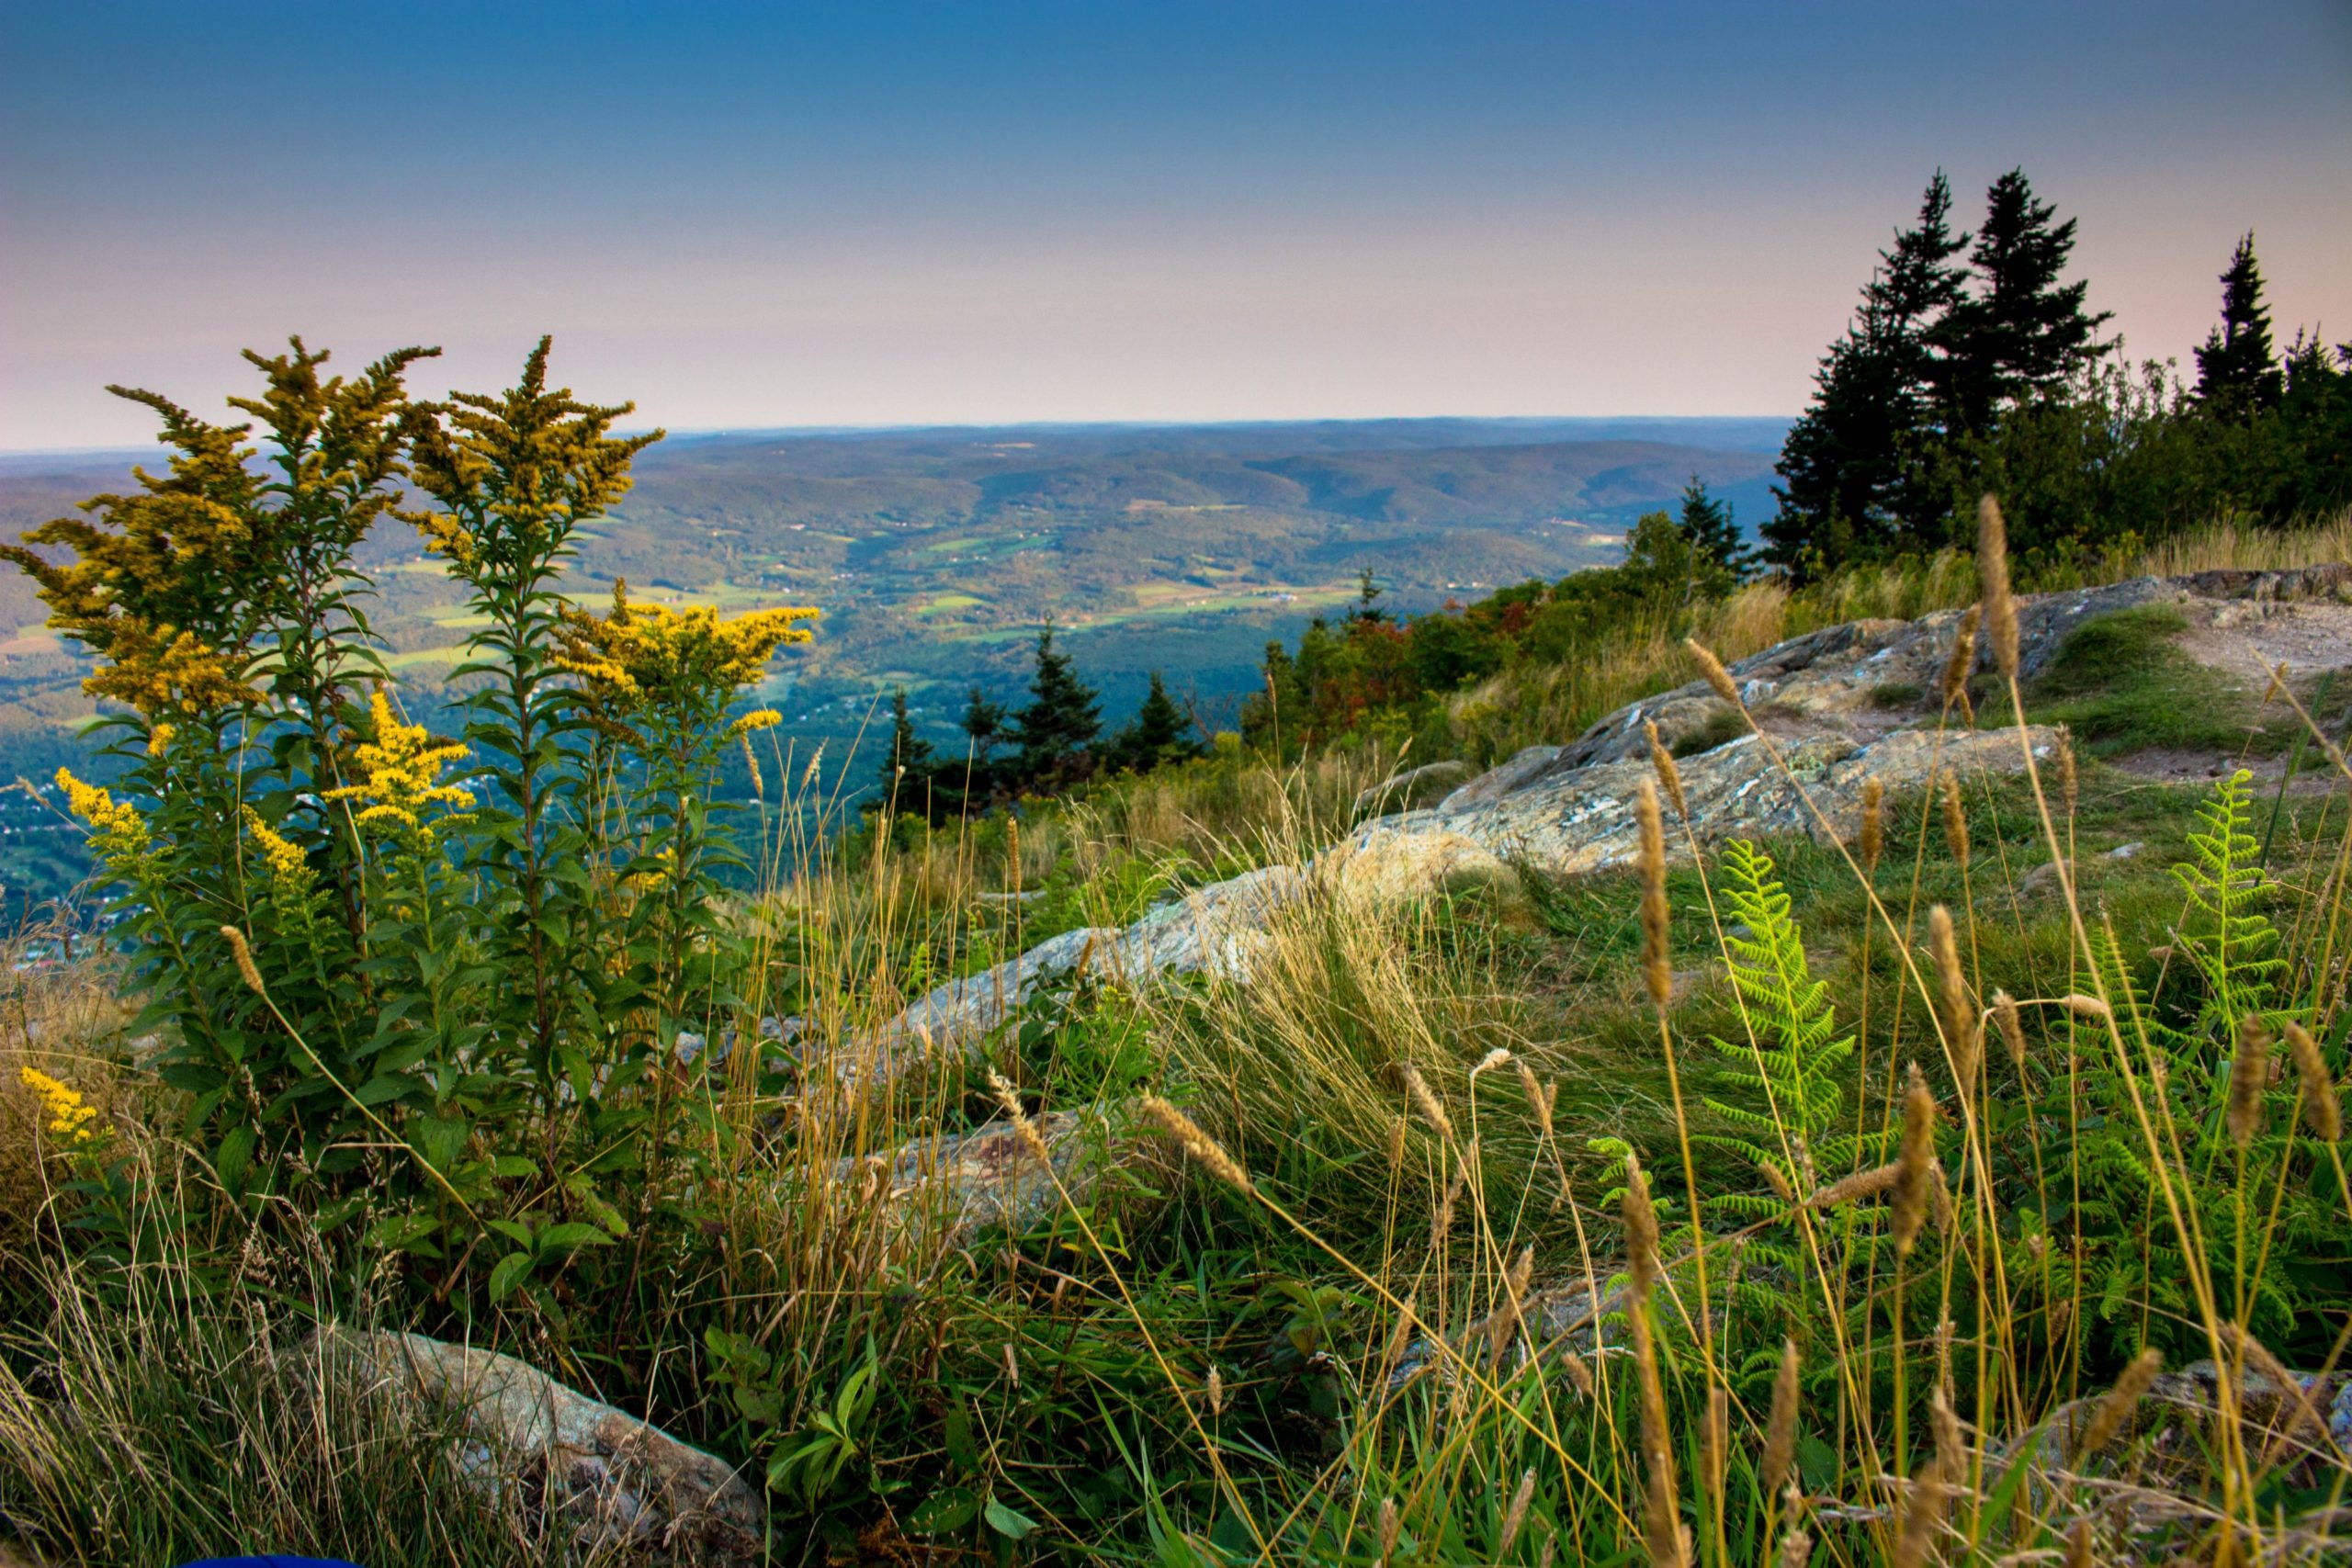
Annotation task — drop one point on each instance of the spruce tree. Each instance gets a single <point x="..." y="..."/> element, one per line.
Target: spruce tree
<point x="1850" y="470"/>
<point x="2022" y="330"/>
<point x="1061" y="723"/>
<point x="2237" y="370"/>
<point x="1159" y="732"/>
<point x="1707" y="524"/>
<point x="908" y="765"/>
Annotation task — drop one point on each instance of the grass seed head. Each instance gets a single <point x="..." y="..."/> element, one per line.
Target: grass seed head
<point x="1993" y="586"/>
<point x="2116" y="1406"/>
<point x="1388" y="1527"/>
<point x="1860" y="1184"/>
<point x="2004" y="1013"/>
<point x="2323" y="1113"/>
<point x="1187" y="1135"/>
<point x="1916" y="1169"/>
<point x="1516" y="1515"/>
<point x="1539" y="1102"/>
<point x="1712" y="669"/>
<point x="1953" y="684"/>
<point x="1955" y="819"/>
<point x="1657" y="971"/>
<point x="1781" y="1428"/>
<point x="1714" y="1438"/>
<point x="2249" y="1076"/>
<point x="1669" y="777"/>
<point x="244" y="954"/>
<point x="1873" y="823"/>
<point x="2070" y="781"/>
<point x="1962" y="1030"/>
<point x="1641" y="1229"/>
<point x="1426" y="1101"/>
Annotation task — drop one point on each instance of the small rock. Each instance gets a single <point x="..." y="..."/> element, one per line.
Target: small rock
<point x="2125" y="851"/>
<point x="617" y="1479"/>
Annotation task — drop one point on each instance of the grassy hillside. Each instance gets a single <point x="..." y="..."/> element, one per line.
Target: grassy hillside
<point x="1469" y="1245"/>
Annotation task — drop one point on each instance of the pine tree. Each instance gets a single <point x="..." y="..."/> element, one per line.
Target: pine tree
<point x="908" y="765"/>
<point x="1277" y="712"/>
<point x="2237" y="371"/>
<point x="1159" y="733"/>
<point x="1061" y="723"/>
<point x="1850" y="469"/>
<point x="2021" y="331"/>
<point x="983" y="722"/>
<point x="1707" y="524"/>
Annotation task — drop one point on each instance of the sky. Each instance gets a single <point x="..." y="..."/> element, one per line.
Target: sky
<point x="873" y="213"/>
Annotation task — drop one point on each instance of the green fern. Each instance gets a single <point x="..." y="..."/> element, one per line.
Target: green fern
<point x="1792" y="1071"/>
<point x="2225" y="934"/>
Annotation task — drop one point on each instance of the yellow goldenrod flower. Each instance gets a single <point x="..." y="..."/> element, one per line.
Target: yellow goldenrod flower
<point x="680" y="667"/>
<point x="290" y="868"/>
<point x="656" y="879"/>
<point x="159" y="739"/>
<point x="69" y="1118"/>
<point x="445" y="535"/>
<point x="758" y="718"/>
<point x="117" y="831"/>
<point x="403" y="767"/>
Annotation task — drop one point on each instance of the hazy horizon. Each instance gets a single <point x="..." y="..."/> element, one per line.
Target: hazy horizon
<point x="892" y="217"/>
<point x="815" y="431"/>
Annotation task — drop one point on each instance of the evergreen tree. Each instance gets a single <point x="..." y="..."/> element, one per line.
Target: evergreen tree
<point x="1850" y="469"/>
<point x="1276" y="714"/>
<point x="967" y="784"/>
<point x="908" y="765"/>
<point x="2237" y="371"/>
<point x="2022" y="330"/>
<point x="983" y="722"/>
<point x="1159" y="732"/>
<point x="1707" y="524"/>
<point x="1061" y="723"/>
<point x="1366" y="592"/>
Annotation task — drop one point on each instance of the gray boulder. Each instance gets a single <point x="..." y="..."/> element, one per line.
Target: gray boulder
<point x="614" y="1480"/>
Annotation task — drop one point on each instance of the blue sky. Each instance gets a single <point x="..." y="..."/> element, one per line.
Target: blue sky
<point x="873" y="213"/>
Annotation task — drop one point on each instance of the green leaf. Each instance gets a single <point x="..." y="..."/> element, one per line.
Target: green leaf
<point x="508" y="1274"/>
<point x="235" y="1156"/>
<point x="1008" y="1523"/>
<point x="557" y="1241"/>
<point x="949" y="1508"/>
<point x="384" y="1086"/>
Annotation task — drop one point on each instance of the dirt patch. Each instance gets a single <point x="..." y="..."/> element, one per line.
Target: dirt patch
<point x="2161" y="764"/>
<point x="2247" y="639"/>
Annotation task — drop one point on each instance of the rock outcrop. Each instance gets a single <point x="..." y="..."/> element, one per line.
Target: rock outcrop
<point x="614" y="1480"/>
<point x="1829" y="709"/>
<point x="991" y="1175"/>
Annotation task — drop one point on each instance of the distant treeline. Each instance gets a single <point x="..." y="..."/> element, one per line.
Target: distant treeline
<point x="1051" y="743"/>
